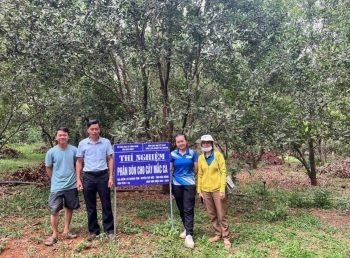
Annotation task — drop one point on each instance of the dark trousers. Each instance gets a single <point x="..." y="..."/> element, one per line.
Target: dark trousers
<point x="185" y="196"/>
<point x="92" y="184"/>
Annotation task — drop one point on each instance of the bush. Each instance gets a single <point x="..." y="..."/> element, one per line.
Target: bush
<point x="297" y="199"/>
<point x="275" y="213"/>
<point x="322" y="199"/>
<point x="82" y="245"/>
<point x="233" y="168"/>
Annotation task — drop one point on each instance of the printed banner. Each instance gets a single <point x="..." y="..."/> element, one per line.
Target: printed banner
<point x="141" y="163"/>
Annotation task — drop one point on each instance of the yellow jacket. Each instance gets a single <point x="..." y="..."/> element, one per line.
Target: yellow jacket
<point x="209" y="178"/>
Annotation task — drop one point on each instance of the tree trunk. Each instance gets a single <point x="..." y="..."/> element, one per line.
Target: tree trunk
<point x="145" y="101"/>
<point x="43" y="129"/>
<point x="320" y="152"/>
<point x="254" y="162"/>
<point x="312" y="172"/>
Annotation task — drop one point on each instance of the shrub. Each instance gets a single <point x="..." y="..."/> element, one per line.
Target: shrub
<point x="82" y="245"/>
<point x="297" y="199"/>
<point x="275" y="213"/>
<point x="322" y="199"/>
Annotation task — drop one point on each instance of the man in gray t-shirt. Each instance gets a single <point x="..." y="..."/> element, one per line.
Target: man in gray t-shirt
<point x="60" y="166"/>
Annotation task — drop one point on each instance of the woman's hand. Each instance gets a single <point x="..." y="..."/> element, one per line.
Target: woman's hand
<point x="222" y="196"/>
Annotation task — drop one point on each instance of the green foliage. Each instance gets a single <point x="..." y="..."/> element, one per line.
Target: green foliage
<point x="322" y="199"/>
<point x="293" y="249"/>
<point x="82" y="245"/>
<point x="129" y="227"/>
<point x="342" y="204"/>
<point x="32" y="157"/>
<point x="291" y="159"/>
<point x="17" y="202"/>
<point x="275" y="212"/>
<point x="258" y="189"/>
<point x="305" y="221"/>
<point x="29" y="135"/>
<point x="298" y="199"/>
<point x="262" y="227"/>
<point x="234" y="167"/>
<point x="269" y="74"/>
<point x="268" y="211"/>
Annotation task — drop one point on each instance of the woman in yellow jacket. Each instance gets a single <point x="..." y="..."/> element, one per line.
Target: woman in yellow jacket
<point x="211" y="187"/>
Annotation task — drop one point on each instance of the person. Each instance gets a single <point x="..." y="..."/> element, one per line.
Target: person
<point x="95" y="153"/>
<point x="60" y="167"/>
<point x="183" y="163"/>
<point x="211" y="187"/>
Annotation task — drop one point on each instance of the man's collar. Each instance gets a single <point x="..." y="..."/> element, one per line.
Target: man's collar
<point x="99" y="139"/>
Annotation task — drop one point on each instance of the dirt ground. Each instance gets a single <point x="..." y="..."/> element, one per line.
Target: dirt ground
<point x="275" y="176"/>
<point x="281" y="177"/>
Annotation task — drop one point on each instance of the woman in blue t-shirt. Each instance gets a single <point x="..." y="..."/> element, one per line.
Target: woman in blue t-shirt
<point x="184" y="165"/>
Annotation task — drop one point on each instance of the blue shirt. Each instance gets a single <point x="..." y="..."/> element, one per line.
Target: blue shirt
<point x="94" y="154"/>
<point x="184" y="167"/>
<point x="62" y="163"/>
<point x="210" y="158"/>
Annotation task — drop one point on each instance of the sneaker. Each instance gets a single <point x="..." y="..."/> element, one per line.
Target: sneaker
<point x="183" y="234"/>
<point x="227" y="244"/>
<point x="189" y="241"/>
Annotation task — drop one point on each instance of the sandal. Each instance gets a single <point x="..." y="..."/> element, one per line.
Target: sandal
<point x="51" y="241"/>
<point x="69" y="235"/>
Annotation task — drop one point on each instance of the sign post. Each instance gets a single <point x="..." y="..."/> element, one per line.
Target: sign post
<point x="138" y="164"/>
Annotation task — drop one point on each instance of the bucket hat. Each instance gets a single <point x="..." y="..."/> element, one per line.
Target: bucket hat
<point x="207" y="138"/>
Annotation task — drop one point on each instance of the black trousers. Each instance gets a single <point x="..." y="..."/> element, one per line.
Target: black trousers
<point x="185" y="197"/>
<point x="93" y="183"/>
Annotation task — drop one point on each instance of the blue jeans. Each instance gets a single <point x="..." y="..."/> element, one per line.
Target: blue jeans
<point x="93" y="183"/>
<point x="185" y="196"/>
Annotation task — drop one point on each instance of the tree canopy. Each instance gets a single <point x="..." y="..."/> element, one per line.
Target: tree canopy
<point x="255" y="74"/>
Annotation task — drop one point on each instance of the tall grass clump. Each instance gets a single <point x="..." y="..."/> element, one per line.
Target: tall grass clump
<point x="275" y="212"/>
<point x="322" y="199"/>
<point x="298" y="199"/>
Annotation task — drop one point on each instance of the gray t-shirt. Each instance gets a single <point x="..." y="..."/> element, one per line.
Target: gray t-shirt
<point x="63" y="168"/>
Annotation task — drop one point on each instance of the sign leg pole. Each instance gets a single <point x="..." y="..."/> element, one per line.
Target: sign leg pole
<point x="171" y="208"/>
<point x="115" y="210"/>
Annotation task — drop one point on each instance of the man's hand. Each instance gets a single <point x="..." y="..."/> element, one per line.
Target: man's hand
<point x="79" y="185"/>
<point x="110" y="182"/>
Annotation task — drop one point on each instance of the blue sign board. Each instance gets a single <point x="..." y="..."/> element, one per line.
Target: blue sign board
<point x="141" y="163"/>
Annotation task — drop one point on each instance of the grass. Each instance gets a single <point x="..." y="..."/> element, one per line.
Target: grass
<point x="264" y="222"/>
<point x="31" y="158"/>
<point x="291" y="233"/>
<point x="291" y="159"/>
